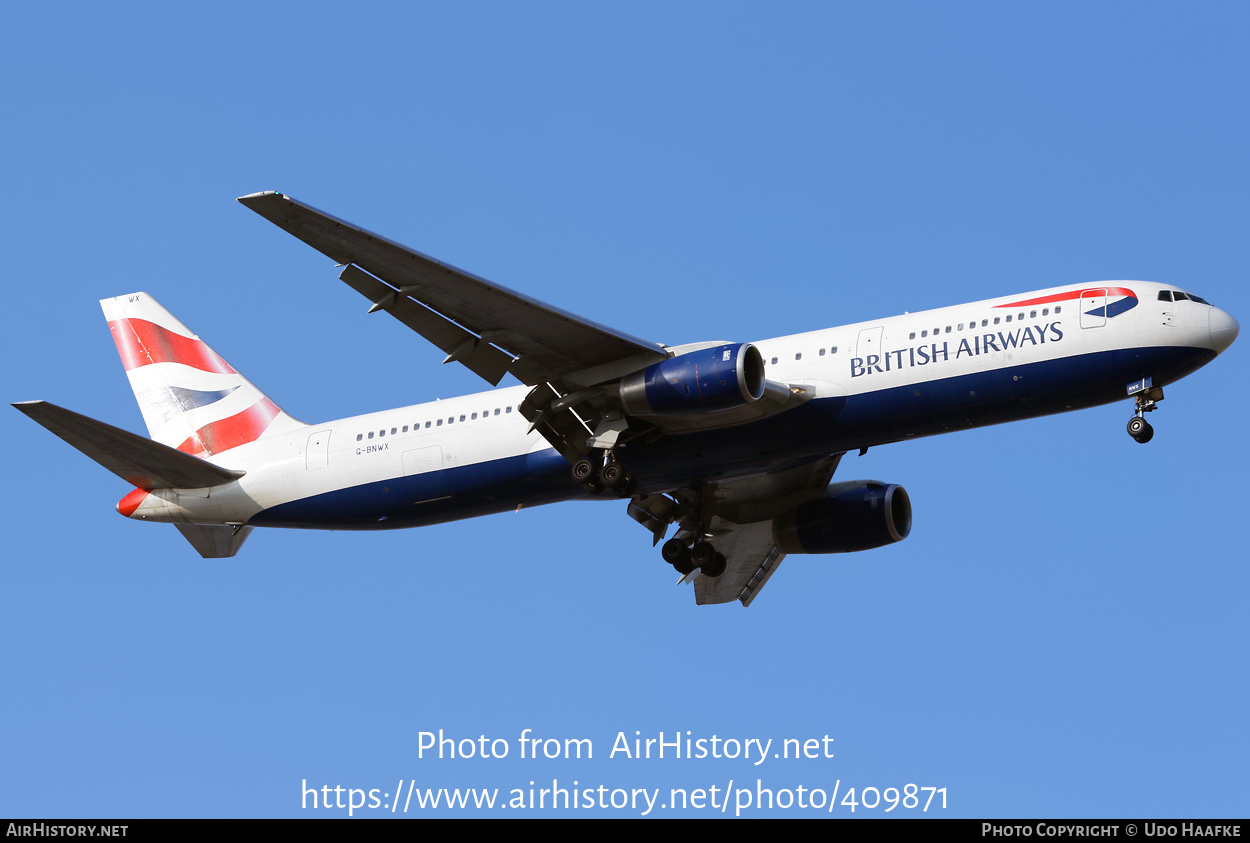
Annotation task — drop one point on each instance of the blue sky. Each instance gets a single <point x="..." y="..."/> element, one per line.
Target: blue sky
<point x="1064" y="632"/>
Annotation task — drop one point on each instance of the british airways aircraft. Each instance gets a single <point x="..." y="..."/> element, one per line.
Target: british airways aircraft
<point x="734" y="443"/>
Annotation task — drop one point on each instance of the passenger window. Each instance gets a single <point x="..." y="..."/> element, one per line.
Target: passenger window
<point x="359" y="436"/>
<point x="833" y="350"/>
<point x="798" y="355"/>
<point x="371" y="434"/>
<point x="1045" y="311"/>
<point x="948" y="329"/>
<point x="393" y="431"/>
<point x="922" y="334"/>
<point x="1057" y="309"/>
<point x="475" y="416"/>
<point x="427" y="424"/>
<point x="496" y="411"/>
<point x="995" y="320"/>
<point x="508" y="409"/>
<point x="1020" y="315"/>
<point x="405" y="428"/>
<point x="912" y="336"/>
<point x="1032" y="314"/>
<point x="381" y="433"/>
<point x="822" y="352"/>
<point x="1008" y="318"/>
<point x="961" y="326"/>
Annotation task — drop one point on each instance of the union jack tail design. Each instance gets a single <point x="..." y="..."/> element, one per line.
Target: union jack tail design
<point x="191" y="399"/>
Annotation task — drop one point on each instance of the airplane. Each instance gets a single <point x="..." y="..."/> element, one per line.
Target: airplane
<point x="734" y="443"/>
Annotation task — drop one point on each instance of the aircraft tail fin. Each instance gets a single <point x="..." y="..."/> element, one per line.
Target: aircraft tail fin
<point x="192" y="400"/>
<point x="140" y="462"/>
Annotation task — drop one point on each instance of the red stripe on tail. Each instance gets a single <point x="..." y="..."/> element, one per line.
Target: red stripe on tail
<point x="239" y="429"/>
<point x="141" y="343"/>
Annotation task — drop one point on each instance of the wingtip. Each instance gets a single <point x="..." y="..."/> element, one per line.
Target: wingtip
<point x="256" y="197"/>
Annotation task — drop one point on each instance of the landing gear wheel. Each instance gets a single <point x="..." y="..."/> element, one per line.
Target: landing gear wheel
<point x="677" y="554"/>
<point x="627" y="486"/>
<point x="611" y="474"/>
<point x="716" y="567"/>
<point x="1140" y="429"/>
<point x="593" y="487"/>
<point x="703" y="555"/>
<point x="583" y="471"/>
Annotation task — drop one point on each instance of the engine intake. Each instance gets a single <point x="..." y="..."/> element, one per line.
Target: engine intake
<point x="858" y="515"/>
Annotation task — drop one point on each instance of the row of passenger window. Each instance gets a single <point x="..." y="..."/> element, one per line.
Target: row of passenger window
<point x="435" y="423"/>
<point x="798" y="355"/>
<point x="985" y="323"/>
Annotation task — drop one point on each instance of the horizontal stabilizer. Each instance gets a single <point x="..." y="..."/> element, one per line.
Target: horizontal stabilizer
<point x="139" y="461"/>
<point x="214" y="542"/>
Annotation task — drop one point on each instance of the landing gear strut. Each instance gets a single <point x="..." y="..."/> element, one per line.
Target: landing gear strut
<point x="1146" y="401"/>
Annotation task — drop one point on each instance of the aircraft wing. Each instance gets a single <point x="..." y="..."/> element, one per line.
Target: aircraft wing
<point x="751" y="557"/>
<point x="737" y="517"/>
<point x="488" y="327"/>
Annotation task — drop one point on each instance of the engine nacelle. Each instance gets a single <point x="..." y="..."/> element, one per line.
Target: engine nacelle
<point x="709" y="379"/>
<point x="858" y="515"/>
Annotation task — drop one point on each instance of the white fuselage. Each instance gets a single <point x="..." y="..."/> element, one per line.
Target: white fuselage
<point x="912" y="375"/>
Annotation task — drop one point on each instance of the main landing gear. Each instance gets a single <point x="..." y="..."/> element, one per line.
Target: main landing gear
<point x="601" y="473"/>
<point x="1146" y="401"/>
<point x="685" y="559"/>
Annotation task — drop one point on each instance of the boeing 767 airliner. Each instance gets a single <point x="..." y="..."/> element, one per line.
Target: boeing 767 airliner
<point x="734" y="443"/>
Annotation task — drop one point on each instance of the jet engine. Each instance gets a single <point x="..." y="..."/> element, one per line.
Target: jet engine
<point x="858" y="515"/>
<point x="709" y="379"/>
<point x="719" y="385"/>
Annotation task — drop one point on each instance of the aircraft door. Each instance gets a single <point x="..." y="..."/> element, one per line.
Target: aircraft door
<point x="1094" y="308"/>
<point x="869" y="342"/>
<point x="317" y="454"/>
<point x="425" y="466"/>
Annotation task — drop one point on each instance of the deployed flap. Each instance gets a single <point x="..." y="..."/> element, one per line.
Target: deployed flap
<point x="140" y="462"/>
<point x="751" y="557"/>
<point x="214" y="542"/>
<point x="543" y="342"/>
<point x="737" y="516"/>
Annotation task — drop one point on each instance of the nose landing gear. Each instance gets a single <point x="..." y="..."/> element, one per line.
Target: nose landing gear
<point x="1146" y="397"/>
<point x="1140" y="429"/>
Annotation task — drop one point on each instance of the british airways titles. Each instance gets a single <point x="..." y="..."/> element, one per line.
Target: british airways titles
<point x="925" y="353"/>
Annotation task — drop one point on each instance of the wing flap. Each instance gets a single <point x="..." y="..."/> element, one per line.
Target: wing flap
<point x="139" y="461"/>
<point x="751" y="557"/>
<point x="462" y="346"/>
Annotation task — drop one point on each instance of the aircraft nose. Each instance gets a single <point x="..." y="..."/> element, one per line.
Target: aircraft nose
<point x="1224" y="329"/>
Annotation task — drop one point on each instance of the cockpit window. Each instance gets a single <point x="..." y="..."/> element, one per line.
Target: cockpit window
<point x="1180" y="296"/>
<point x="1165" y="295"/>
<point x="1192" y="297"/>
